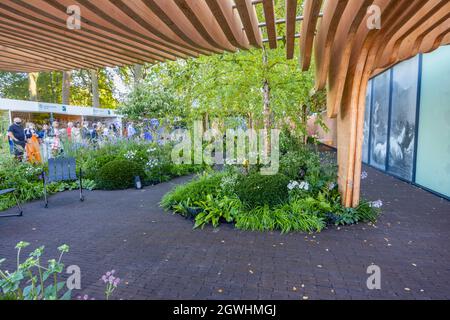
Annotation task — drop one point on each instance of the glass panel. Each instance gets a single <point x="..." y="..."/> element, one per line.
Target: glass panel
<point x="365" y="148"/>
<point x="380" y="116"/>
<point x="433" y="154"/>
<point x="403" y="119"/>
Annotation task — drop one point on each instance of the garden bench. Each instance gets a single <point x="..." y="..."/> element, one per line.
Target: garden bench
<point x="13" y="192"/>
<point x="61" y="169"/>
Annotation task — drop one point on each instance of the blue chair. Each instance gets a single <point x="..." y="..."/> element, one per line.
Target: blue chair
<point x="61" y="169"/>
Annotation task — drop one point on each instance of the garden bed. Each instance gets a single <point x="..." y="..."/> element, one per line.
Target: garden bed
<point x="113" y="166"/>
<point x="303" y="196"/>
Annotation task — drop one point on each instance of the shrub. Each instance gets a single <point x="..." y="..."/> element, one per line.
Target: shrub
<point x="118" y="174"/>
<point x="195" y="191"/>
<point x="93" y="165"/>
<point x="294" y="164"/>
<point x="216" y="209"/>
<point x="283" y="218"/>
<point x="259" y="190"/>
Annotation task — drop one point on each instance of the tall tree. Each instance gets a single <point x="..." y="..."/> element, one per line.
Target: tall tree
<point x="32" y="86"/>
<point x="95" y="92"/>
<point x="138" y="73"/>
<point x="66" y="80"/>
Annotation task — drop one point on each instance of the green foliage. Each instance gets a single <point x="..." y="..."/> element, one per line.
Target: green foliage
<point x="285" y="218"/>
<point x="147" y="102"/>
<point x="260" y="190"/>
<point x="216" y="209"/>
<point x="49" y="85"/>
<point x="25" y="178"/>
<point x="31" y="280"/>
<point x="263" y="203"/>
<point x="118" y="174"/>
<point x="195" y="191"/>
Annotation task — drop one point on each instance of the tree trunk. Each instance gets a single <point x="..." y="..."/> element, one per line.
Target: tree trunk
<point x="138" y="73"/>
<point x="250" y="121"/>
<point x="95" y="93"/>
<point x="305" y="123"/>
<point x="32" y="86"/>
<point x="67" y="77"/>
<point x="267" y="113"/>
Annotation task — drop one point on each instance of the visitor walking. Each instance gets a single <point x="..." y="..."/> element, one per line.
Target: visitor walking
<point x="17" y="135"/>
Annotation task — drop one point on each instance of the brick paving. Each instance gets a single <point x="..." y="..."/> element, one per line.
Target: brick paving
<point x="160" y="256"/>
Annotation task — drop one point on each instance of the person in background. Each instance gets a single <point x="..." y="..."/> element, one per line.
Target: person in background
<point x="69" y="131"/>
<point x="76" y="133"/>
<point x="105" y="132"/>
<point x="17" y="135"/>
<point x="32" y="146"/>
<point x="56" y="144"/>
<point x="94" y="136"/>
<point x="113" y="132"/>
<point x="131" y="131"/>
<point x="85" y="132"/>
<point x="11" y="144"/>
<point x="99" y="130"/>
<point x="45" y="137"/>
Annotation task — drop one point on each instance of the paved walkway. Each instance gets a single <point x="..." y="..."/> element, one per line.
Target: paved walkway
<point x="159" y="256"/>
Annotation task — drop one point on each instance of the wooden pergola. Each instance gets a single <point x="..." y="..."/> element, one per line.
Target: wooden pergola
<point x="341" y="35"/>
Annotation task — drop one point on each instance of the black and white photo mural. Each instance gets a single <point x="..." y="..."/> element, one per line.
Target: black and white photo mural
<point x="365" y="148"/>
<point x="407" y="121"/>
<point x="379" y="122"/>
<point x="402" y="128"/>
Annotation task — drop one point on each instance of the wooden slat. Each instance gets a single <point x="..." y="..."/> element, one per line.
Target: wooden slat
<point x="249" y="19"/>
<point x="40" y="21"/>
<point x="291" y="15"/>
<point x="310" y="16"/>
<point x="353" y="16"/>
<point x="198" y="13"/>
<point x="269" y="15"/>
<point x="228" y="19"/>
<point x="173" y="18"/>
<point x="121" y="24"/>
<point x="436" y="7"/>
<point x="324" y="40"/>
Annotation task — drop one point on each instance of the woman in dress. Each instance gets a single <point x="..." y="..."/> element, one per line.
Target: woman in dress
<point x="32" y="147"/>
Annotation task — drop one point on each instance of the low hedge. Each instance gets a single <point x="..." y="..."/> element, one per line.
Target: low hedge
<point x="259" y="190"/>
<point x="118" y="174"/>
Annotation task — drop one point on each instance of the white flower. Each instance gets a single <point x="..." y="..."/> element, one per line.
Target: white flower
<point x="152" y="163"/>
<point x="376" y="204"/>
<point x="151" y="150"/>
<point x="364" y="175"/>
<point x="304" y="185"/>
<point x="130" y="155"/>
<point x="292" y="185"/>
